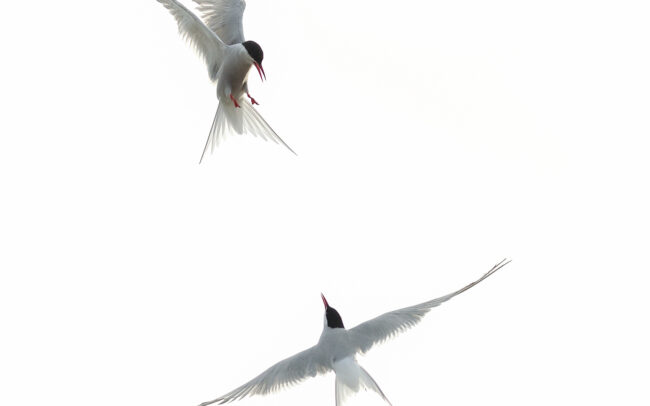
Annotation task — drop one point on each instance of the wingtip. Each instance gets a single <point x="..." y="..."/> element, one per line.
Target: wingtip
<point x="499" y="265"/>
<point x="504" y="262"/>
<point x="211" y="402"/>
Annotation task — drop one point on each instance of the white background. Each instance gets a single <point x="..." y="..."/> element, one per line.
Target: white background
<point x="433" y="139"/>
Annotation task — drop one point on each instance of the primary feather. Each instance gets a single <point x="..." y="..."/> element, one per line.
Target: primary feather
<point x="224" y="17"/>
<point x="377" y="330"/>
<point x="287" y="372"/>
<point x="207" y="44"/>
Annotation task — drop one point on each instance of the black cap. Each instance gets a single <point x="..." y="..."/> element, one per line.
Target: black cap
<point x="254" y="50"/>
<point x="333" y="317"/>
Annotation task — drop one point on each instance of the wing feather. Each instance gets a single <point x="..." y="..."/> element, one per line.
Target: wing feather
<point x="381" y="328"/>
<point x="224" y="17"/>
<point x="201" y="38"/>
<point x="287" y="372"/>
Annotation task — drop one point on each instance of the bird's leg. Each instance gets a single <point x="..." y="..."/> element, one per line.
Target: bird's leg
<point x="234" y="100"/>
<point x="252" y="100"/>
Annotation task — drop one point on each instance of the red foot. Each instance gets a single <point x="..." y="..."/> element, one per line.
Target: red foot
<point x="234" y="101"/>
<point x="252" y="100"/>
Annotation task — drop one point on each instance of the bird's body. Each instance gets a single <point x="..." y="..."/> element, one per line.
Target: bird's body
<point x="336" y="351"/>
<point x="336" y="343"/>
<point x="233" y="73"/>
<point x="219" y="40"/>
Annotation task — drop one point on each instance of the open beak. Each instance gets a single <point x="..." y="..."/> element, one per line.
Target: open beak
<point x="324" y="301"/>
<point x="260" y="70"/>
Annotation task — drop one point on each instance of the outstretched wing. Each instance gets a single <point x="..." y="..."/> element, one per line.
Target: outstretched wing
<point x="292" y="370"/>
<point x="200" y="37"/>
<point x="224" y="17"/>
<point x="374" y="331"/>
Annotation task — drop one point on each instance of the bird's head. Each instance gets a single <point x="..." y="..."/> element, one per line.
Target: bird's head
<point x="255" y="52"/>
<point x="332" y="317"/>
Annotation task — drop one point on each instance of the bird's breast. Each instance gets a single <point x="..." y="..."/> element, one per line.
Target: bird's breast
<point x="233" y="74"/>
<point x="336" y="344"/>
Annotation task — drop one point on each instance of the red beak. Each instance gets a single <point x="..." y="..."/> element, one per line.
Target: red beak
<point x="260" y="70"/>
<point x="324" y="301"/>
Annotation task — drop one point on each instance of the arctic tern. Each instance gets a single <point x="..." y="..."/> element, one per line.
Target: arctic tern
<point x="337" y="348"/>
<point x="229" y="57"/>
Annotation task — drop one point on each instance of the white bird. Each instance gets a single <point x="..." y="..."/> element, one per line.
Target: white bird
<point x="220" y="42"/>
<point x="336" y="351"/>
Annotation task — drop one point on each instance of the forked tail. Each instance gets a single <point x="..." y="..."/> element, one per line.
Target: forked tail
<point x="342" y="391"/>
<point x="241" y="120"/>
<point x="370" y="383"/>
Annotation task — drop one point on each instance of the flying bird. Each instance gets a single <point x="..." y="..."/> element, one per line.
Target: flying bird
<point x="219" y="40"/>
<point x="337" y="348"/>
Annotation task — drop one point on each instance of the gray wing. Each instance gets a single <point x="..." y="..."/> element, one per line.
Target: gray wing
<point x="200" y="37"/>
<point x="290" y="371"/>
<point x="224" y="17"/>
<point x="377" y="330"/>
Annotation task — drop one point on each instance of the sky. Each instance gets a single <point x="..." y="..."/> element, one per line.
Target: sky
<point x="432" y="140"/>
